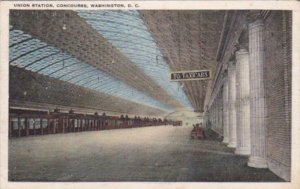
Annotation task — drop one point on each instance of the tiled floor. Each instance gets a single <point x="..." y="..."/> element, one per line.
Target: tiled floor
<point x="163" y="153"/>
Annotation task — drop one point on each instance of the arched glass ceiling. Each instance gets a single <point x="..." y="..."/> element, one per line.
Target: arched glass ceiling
<point x="127" y="32"/>
<point x="32" y="54"/>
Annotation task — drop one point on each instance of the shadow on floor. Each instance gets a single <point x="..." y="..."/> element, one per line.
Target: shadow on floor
<point x="156" y="154"/>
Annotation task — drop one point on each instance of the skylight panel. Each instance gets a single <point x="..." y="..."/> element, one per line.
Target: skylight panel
<point x="37" y="56"/>
<point x="127" y="32"/>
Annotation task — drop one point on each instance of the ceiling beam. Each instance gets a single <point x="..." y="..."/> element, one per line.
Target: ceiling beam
<point x="83" y="42"/>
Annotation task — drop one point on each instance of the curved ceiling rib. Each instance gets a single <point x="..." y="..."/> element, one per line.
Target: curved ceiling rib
<point x="56" y="62"/>
<point x="52" y="62"/>
<point x="139" y="47"/>
<point x="70" y="33"/>
<point x="89" y="100"/>
<point x="189" y="40"/>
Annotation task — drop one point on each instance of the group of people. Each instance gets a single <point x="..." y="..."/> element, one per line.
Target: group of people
<point x="198" y="131"/>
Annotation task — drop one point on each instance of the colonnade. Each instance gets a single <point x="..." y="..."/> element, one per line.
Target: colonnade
<point x="215" y="116"/>
<point x="243" y="100"/>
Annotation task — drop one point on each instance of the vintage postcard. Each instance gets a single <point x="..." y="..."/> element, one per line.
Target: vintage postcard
<point x="143" y="94"/>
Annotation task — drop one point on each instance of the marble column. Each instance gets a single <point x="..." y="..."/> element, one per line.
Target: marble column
<point x="218" y="110"/>
<point x="214" y="115"/>
<point x="242" y="102"/>
<point x="221" y="112"/>
<point x="231" y="104"/>
<point x="257" y="96"/>
<point x="225" y="113"/>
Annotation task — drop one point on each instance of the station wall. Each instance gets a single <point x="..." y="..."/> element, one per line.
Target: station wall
<point x="277" y="83"/>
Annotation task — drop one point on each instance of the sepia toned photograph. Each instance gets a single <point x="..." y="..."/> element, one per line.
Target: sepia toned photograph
<point x="137" y="95"/>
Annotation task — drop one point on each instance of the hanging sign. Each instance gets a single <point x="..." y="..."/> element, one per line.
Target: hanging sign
<point x="191" y="75"/>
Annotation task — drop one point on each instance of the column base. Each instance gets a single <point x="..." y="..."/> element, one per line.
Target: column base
<point x="243" y="151"/>
<point x="232" y="144"/>
<point x="257" y="162"/>
<point x="225" y="140"/>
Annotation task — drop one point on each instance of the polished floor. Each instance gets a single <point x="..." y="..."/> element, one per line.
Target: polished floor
<point x="163" y="153"/>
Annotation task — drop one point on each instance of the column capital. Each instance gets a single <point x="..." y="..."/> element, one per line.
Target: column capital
<point x="254" y="15"/>
<point x="243" y="40"/>
<point x="224" y="74"/>
<point x="241" y="52"/>
<point x="224" y="70"/>
<point x="231" y="63"/>
<point x="256" y="24"/>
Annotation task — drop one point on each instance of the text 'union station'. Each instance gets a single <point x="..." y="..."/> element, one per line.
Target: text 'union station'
<point x="150" y="95"/>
